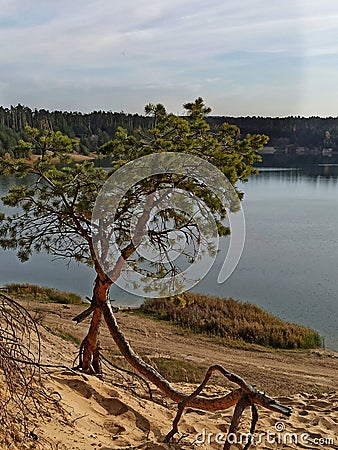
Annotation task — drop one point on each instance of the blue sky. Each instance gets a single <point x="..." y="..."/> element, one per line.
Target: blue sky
<point x="251" y="57"/>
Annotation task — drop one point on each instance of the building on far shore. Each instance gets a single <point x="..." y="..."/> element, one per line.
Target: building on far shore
<point x="268" y="150"/>
<point x="327" y="152"/>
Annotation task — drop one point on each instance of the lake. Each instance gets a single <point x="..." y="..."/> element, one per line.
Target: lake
<point x="289" y="264"/>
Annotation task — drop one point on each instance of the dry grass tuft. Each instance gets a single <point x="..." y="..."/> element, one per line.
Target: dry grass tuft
<point x="231" y="320"/>
<point x="37" y="293"/>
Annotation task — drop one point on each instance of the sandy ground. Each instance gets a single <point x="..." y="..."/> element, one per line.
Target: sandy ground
<point x="77" y="157"/>
<point x="115" y="414"/>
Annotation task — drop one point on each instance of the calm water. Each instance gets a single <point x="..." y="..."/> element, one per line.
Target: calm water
<point x="290" y="261"/>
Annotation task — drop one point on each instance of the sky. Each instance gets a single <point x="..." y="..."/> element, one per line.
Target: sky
<point x="250" y="57"/>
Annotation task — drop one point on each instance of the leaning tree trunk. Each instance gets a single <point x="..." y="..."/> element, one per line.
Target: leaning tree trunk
<point x="89" y="357"/>
<point x="90" y="347"/>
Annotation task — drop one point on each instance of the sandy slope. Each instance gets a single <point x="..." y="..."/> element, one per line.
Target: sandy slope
<point x="105" y="415"/>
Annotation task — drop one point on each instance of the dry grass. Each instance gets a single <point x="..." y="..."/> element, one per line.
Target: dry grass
<point x="231" y="320"/>
<point x="37" y="293"/>
<point x="64" y="335"/>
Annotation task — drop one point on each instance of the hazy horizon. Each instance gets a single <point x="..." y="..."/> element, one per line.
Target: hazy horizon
<point x="181" y="113"/>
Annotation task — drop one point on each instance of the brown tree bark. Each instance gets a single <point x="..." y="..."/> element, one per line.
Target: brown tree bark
<point x="207" y="404"/>
<point x="89" y="357"/>
<point x="90" y="346"/>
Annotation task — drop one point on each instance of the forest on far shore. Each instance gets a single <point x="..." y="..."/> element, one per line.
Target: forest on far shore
<point x="293" y="140"/>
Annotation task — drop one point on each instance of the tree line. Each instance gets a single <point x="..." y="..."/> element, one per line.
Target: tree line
<point x="92" y="130"/>
<point x="98" y="127"/>
<point x="311" y="132"/>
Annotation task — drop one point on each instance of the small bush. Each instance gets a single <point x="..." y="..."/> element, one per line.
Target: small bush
<point x="42" y="294"/>
<point x="233" y="321"/>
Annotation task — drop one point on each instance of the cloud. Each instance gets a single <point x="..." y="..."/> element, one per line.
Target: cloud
<point x="82" y="48"/>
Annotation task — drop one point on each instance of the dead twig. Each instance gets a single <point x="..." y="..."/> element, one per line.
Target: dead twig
<point x="23" y="396"/>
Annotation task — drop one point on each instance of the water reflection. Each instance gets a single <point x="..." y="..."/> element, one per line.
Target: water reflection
<point x="289" y="264"/>
<point x="323" y="172"/>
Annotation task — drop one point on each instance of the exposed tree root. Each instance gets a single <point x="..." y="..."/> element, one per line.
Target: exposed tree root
<point x="254" y="419"/>
<point x="23" y="396"/>
<point x="243" y="397"/>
